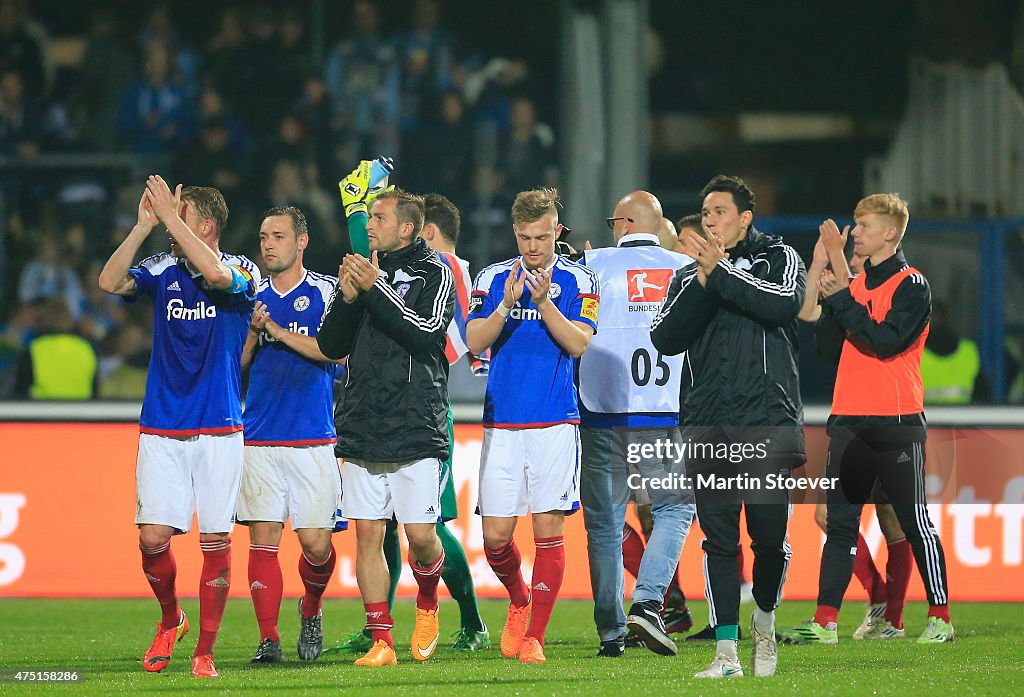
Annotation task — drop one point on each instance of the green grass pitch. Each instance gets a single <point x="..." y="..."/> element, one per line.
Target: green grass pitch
<point x="106" y="640"/>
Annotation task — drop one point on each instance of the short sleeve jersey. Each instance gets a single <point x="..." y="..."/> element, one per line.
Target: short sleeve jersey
<point x="194" y="384"/>
<point x="289" y="401"/>
<point x="531" y="381"/>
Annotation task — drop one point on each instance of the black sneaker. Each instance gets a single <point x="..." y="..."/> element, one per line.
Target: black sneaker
<point x="708" y="634"/>
<point x="311" y="635"/>
<point x="269" y="651"/>
<point x="613" y="648"/>
<point x="634" y="642"/>
<point x="644" y="620"/>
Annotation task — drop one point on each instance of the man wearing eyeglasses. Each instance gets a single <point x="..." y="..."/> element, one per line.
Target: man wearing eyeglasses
<point x="629" y="402"/>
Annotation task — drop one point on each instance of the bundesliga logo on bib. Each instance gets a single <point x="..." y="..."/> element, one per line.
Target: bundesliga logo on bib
<point x="648" y="285"/>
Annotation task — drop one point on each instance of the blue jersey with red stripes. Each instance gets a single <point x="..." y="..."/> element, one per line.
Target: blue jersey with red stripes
<point x="290" y="397"/>
<point x="194" y="384"/>
<point x="531" y="382"/>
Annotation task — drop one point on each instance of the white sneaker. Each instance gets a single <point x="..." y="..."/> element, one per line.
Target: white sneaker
<point x="765" y="658"/>
<point x="872" y="617"/>
<point x="883" y="629"/>
<point x="722" y="667"/>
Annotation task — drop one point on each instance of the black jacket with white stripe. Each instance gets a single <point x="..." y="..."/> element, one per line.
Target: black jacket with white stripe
<point x="741" y="336"/>
<point x="396" y="395"/>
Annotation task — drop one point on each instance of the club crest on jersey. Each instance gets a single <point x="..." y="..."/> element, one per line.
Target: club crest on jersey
<point x="176" y="310"/>
<point x="402" y="289"/>
<point x="554" y="291"/>
<point x="301" y="303"/>
<point x="648" y="285"/>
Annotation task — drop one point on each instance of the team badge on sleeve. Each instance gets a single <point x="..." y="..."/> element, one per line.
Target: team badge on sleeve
<point x="589" y="309"/>
<point x="476" y="303"/>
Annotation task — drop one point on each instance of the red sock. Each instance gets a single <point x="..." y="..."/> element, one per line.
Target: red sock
<point x="865" y="571"/>
<point x="427" y="579"/>
<point x="548" y="571"/>
<point x="315" y="578"/>
<point x="379" y="622"/>
<point x="266" y="587"/>
<point x="214" y="583"/>
<point x="160" y="569"/>
<point x="632" y="550"/>
<point x="897" y="574"/>
<point x="940" y="611"/>
<point x="739" y="563"/>
<point x="825" y="614"/>
<point x="506" y="563"/>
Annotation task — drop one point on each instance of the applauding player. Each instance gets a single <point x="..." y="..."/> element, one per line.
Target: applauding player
<point x="190" y="446"/>
<point x="537" y="313"/>
<point x="290" y="468"/>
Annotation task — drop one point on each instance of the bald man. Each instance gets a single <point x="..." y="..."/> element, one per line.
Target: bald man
<point x="629" y="404"/>
<point x="667" y="236"/>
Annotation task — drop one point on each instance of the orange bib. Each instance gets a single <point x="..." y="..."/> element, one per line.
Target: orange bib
<point x="867" y="385"/>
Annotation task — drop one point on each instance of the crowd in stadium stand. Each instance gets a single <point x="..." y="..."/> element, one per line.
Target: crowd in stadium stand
<point x="246" y="111"/>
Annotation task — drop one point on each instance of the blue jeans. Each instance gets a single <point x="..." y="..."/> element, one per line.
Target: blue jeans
<point x="605" y="492"/>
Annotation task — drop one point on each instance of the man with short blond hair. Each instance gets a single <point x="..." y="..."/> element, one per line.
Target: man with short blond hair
<point x="876" y="326"/>
<point x="537" y="314"/>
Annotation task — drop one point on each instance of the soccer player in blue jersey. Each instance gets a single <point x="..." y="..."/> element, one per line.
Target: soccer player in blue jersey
<point x="290" y="468"/>
<point x="537" y="314"/>
<point x="190" y="446"/>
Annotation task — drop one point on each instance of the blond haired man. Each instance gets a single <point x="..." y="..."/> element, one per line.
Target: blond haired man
<point x="537" y="313"/>
<point x="876" y="325"/>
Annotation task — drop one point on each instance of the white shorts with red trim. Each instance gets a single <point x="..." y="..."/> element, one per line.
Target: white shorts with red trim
<point x="178" y="477"/>
<point x="529" y="469"/>
<point x="300" y="483"/>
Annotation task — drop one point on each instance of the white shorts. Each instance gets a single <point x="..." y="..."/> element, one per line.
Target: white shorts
<point x="176" y="477"/>
<point x="411" y="492"/>
<point x="282" y="482"/>
<point x="529" y="469"/>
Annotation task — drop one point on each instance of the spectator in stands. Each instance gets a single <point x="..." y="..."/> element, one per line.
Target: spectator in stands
<point x="15" y="336"/>
<point x="59" y="364"/>
<point x="24" y="47"/>
<point x="211" y="160"/>
<point x="362" y="77"/>
<point x="124" y="375"/>
<point x="313" y="109"/>
<point x="950" y="364"/>
<point x="290" y="145"/>
<point x="156" y="113"/>
<point x="49" y="276"/>
<point x="686" y="224"/>
<point x="440" y="158"/>
<point x="526" y="157"/>
<point x="255" y="75"/>
<point x="107" y="69"/>
<point x="184" y="59"/>
<point x="212" y="106"/>
<point x="223" y="54"/>
<point x="426" y="65"/>
<point x="20" y="118"/>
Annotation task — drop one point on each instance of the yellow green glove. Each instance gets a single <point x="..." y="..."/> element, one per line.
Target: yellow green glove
<point x="356" y="194"/>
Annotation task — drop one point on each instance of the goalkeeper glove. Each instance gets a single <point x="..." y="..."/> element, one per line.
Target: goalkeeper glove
<point x="356" y="194"/>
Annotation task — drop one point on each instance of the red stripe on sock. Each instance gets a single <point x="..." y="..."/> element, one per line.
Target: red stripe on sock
<point x="865" y="571"/>
<point x="548" y="572"/>
<point x="214" y="584"/>
<point x="427" y="580"/>
<point x="161" y="571"/>
<point x="379" y="622"/>
<point x="266" y="586"/>
<point x="897" y="572"/>
<point x="506" y="563"/>
<point x="315" y="578"/>
<point x="632" y="550"/>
